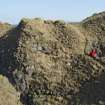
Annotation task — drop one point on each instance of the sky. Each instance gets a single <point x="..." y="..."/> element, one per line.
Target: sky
<point x="13" y="11"/>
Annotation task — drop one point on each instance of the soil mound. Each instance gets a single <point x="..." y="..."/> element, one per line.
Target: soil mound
<point x="49" y="62"/>
<point x="8" y="94"/>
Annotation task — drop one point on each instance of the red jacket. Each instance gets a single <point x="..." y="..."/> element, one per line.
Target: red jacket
<point x="93" y="53"/>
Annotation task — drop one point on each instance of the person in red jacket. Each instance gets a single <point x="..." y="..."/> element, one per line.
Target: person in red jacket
<point x="93" y="53"/>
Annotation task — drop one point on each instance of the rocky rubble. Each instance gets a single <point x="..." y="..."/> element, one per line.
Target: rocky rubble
<point x="48" y="62"/>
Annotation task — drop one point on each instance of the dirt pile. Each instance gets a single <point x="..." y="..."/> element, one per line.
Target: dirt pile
<point x="48" y="61"/>
<point x="44" y="57"/>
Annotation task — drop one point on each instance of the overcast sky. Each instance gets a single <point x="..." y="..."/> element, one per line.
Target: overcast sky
<point x="69" y="10"/>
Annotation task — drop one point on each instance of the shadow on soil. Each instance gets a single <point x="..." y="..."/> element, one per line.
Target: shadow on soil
<point x="92" y="92"/>
<point x="8" y="44"/>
